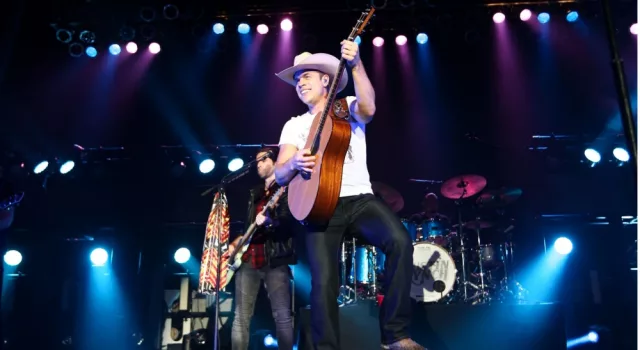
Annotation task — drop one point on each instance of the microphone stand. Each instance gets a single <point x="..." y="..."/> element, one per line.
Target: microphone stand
<point x="621" y="85"/>
<point x="220" y="188"/>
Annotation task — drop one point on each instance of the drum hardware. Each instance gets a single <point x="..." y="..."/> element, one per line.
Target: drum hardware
<point x="347" y="294"/>
<point x="457" y="189"/>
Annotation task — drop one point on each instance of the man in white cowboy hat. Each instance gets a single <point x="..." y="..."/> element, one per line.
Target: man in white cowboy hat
<point x="358" y="211"/>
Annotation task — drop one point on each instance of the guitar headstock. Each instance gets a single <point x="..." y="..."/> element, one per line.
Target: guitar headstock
<point x="276" y="196"/>
<point x="363" y="21"/>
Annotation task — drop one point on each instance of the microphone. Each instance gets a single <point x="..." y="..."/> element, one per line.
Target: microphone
<point x="268" y="154"/>
<point x="439" y="286"/>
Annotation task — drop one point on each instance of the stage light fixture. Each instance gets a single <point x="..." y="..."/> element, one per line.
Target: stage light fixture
<point x="544" y="18"/>
<point x="64" y="36"/>
<point x="12" y="258"/>
<point x="498" y="17"/>
<point x="243" y="28"/>
<point x="263" y="29"/>
<point x="422" y="38"/>
<point x="572" y="16"/>
<point x="182" y="255"/>
<point x="621" y="154"/>
<point x="114" y="49"/>
<point x="634" y="29"/>
<point x="378" y="41"/>
<point x="127" y="33"/>
<point x="206" y="166"/>
<point x="170" y="12"/>
<point x="40" y="167"/>
<point x="154" y="48"/>
<point x="91" y="51"/>
<point x="235" y="164"/>
<point x="401" y="40"/>
<point x="592" y="155"/>
<point x="87" y="37"/>
<point x="132" y="47"/>
<point x="286" y="25"/>
<point x="563" y="246"/>
<point x="67" y="166"/>
<point x="218" y="28"/>
<point x="357" y="40"/>
<point x="76" y="50"/>
<point x="147" y="14"/>
<point x="99" y="257"/>
<point x="525" y="15"/>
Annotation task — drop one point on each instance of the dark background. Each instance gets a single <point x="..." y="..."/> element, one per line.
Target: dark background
<point x="469" y="101"/>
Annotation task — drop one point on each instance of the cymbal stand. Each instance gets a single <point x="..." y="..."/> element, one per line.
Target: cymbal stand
<point x="462" y="248"/>
<point x="372" y="275"/>
<point x="482" y="292"/>
<point x="345" y="291"/>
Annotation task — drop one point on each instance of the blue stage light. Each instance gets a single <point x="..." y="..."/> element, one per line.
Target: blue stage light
<point x="422" y="38"/>
<point x="67" y="167"/>
<point x="91" y="51"/>
<point x="12" y="258"/>
<point x="563" y="246"/>
<point x="235" y="164"/>
<point x="115" y="49"/>
<point x="572" y="16"/>
<point x="243" y="28"/>
<point x="592" y="155"/>
<point x="182" y="255"/>
<point x="206" y="166"/>
<point x="357" y="40"/>
<point x="218" y="28"/>
<point x="543" y="17"/>
<point x="42" y="166"/>
<point x="99" y="257"/>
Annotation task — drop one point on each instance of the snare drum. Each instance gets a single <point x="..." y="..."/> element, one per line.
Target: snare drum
<point x="434" y="272"/>
<point x="435" y="230"/>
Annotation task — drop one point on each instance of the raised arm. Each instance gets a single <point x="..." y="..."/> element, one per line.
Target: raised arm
<point x="364" y="107"/>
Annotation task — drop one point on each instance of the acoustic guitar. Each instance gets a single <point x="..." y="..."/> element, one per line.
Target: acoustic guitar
<point x="235" y="258"/>
<point x="313" y="197"/>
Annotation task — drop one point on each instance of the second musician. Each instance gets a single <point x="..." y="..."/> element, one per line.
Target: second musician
<point x="267" y="259"/>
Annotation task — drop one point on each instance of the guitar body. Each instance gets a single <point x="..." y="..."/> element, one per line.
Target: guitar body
<point x="314" y="198"/>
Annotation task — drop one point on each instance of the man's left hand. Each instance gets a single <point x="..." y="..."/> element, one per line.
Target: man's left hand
<point x="263" y="220"/>
<point x="350" y="52"/>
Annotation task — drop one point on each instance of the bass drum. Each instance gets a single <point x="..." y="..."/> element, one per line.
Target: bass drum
<point x="434" y="273"/>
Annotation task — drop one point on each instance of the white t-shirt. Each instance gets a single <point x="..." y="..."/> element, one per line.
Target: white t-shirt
<point x="355" y="175"/>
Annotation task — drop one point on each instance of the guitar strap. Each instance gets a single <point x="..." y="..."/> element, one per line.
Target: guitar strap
<point x="216" y="239"/>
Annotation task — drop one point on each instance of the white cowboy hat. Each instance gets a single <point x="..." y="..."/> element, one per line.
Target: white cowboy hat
<point x="322" y="62"/>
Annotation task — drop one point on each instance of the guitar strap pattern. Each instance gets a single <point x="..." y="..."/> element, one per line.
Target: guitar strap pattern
<point x="216" y="235"/>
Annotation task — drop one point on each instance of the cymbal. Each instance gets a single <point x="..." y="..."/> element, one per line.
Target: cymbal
<point x="478" y="224"/>
<point x="498" y="198"/>
<point x="463" y="186"/>
<point x="389" y="195"/>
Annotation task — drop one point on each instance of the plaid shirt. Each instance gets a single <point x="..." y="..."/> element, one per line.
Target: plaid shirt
<point x="256" y="253"/>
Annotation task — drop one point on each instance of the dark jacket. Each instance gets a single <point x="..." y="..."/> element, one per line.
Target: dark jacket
<point x="279" y="246"/>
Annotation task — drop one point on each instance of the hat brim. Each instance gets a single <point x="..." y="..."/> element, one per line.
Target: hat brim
<point x="288" y="74"/>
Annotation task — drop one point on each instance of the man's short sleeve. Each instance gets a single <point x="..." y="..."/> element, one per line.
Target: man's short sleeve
<point x="289" y="135"/>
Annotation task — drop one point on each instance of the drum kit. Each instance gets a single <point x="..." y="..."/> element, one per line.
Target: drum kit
<point x="465" y="260"/>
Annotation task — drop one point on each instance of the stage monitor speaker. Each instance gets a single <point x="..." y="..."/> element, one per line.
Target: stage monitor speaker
<point x="454" y="327"/>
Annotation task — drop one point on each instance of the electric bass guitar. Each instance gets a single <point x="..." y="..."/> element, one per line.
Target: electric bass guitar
<point x="235" y="258"/>
<point x="313" y="197"/>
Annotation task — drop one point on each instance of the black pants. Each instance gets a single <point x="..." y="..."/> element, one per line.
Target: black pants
<point x="368" y="217"/>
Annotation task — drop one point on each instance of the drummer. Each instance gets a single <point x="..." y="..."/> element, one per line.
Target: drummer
<point x="436" y="225"/>
<point x="430" y="206"/>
